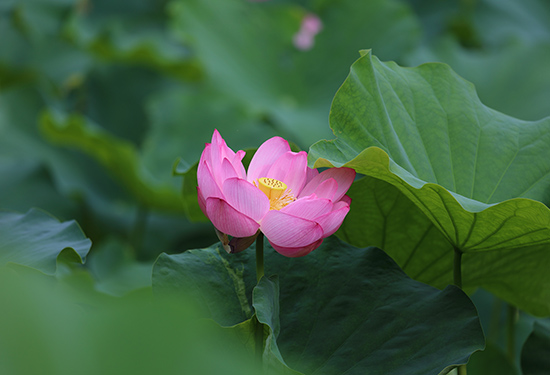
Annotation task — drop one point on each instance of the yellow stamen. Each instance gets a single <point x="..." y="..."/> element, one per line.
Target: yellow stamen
<point x="278" y="193"/>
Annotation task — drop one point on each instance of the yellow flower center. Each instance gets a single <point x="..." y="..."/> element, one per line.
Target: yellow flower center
<point x="278" y="193"/>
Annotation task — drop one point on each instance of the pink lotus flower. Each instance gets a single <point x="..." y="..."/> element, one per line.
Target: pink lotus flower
<point x="293" y="205"/>
<point x="304" y="39"/>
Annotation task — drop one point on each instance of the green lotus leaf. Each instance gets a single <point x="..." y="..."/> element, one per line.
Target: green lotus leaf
<point x="477" y="175"/>
<point x="342" y="309"/>
<point x="36" y="240"/>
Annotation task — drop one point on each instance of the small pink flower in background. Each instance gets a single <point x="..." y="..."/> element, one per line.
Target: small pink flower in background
<point x="305" y="37"/>
<point x="295" y="206"/>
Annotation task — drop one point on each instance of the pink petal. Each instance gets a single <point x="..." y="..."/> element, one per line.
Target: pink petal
<point x="311" y="172"/>
<point x="346" y="199"/>
<point x="343" y="176"/>
<point x="294" y="252"/>
<point x="327" y="189"/>
<point x="227" y="171"/>
<point x="246" y="198"/>
<point x="266" y="155"/>
<point x="331" y="222"/>
<point x="228" y="220"/>
<point x="216" y="153"/>
<point x="202" y="201"/>
<point x="290" y="168"/>
<point x="206" y="153"/>
<point x="219" y="151"/>
<point x="308" y="208"/>
<point x="340" y="204"/>
<point x="207" y="184"/>
<point x="239" y="155"/>
<point x="238" y="164"/>
<point x="286" y="230"/>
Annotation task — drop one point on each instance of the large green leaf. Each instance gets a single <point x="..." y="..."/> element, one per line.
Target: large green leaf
<point x="342" y="309"/>
<point x="265" y="299"/>
<point x="462" y="165"/>
<point x="222" y="290"/>
<point x="36" y="239"/>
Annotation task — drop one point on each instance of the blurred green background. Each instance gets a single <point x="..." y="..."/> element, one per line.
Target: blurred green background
<point x="100" y="99"/>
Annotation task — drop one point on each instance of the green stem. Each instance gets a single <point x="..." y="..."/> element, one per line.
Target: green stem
<point x="457" y="279"/>
<point x="259" y="331"/>
<point x="259" y="256"/>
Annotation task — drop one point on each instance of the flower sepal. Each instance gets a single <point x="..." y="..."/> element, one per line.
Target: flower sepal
<point x="235" y="244"/>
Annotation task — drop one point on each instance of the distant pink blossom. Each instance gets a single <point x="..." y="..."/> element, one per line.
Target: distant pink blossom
<point x="295" y="206"/>
<point x="304" y="39"/>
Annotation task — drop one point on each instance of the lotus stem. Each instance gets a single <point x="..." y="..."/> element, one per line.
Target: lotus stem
<point x="259" y="256"/>
<point x="259" y="330"/>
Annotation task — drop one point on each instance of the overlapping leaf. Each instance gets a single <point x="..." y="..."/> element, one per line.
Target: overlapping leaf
<point x="36" y="239"/>
<point x="342" y="309"/>
<point x="461" y="165"/>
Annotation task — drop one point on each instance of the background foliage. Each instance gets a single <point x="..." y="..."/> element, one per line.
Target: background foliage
<point x="105" y="107"/>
